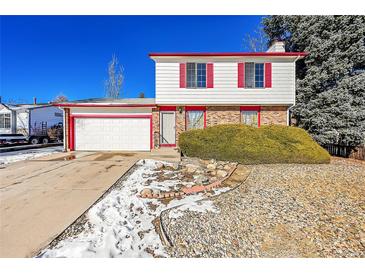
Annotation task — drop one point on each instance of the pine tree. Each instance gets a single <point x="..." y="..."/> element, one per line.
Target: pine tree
<point x="330" y="102"/>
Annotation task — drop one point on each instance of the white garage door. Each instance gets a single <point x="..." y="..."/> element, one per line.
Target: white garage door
<point x="112" y="134"/>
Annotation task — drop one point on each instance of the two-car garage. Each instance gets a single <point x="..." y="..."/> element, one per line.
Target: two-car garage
<point x="123" y="125"/>
<point x="121" y="133"/>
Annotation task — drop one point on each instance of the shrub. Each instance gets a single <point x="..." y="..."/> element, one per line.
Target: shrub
<point x="250" y="145"/>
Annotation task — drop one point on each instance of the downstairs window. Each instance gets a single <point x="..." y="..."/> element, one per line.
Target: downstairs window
<point x="250" y="117"/>
<point x="194" y="119"/>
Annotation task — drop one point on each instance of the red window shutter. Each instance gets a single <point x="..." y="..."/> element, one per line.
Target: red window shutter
<point x="182" y="75"/>
<point x="268" y="75"/>
<point x="210" y="76"/>
<point x="241" y="75"/>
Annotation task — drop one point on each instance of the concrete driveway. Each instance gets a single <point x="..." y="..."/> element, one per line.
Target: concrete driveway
<point x="41" y="197"/>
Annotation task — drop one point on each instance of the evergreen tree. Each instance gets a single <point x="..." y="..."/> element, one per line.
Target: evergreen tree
<point x="330" y="102"/>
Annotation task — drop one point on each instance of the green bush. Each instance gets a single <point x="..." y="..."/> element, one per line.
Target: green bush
<point x="250" y="145"/>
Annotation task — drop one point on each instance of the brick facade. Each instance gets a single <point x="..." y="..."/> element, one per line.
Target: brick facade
<point x="217" y="115"/>
<point x="274" y="115"/>
<point x="156" y="127"/>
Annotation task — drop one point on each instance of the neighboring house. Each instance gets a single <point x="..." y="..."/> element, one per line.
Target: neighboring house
<point x="28" y="119"/>
<point x="193" y="90"/>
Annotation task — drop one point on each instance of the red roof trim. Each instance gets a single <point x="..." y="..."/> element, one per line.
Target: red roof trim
<point x="101" y="105"/>
<point x="152" y="54"/>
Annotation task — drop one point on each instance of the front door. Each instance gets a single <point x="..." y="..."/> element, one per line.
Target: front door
<point x="167" y="119"/>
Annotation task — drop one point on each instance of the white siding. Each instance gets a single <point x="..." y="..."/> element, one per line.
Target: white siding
<point x="225" y="89"/>
<point x="4" y="110"/>
<point x="22" y="122"/>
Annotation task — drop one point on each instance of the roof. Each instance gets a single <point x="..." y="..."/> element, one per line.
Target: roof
<point x="230" y="54"/>
<point x="101" y="102"/>
<point x="25" y="106"/>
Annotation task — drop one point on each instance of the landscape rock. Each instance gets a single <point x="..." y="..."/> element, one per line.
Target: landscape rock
<point x="159" y="166"/>
<point x="190" y="168"/>
<point x="222" y="173"/>
<point x="146" y="192"/>
<point x="201" y="179"/>
<point x="212" y="166"/>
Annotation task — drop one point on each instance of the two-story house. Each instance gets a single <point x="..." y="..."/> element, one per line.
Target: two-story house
<point x="193" y="90"/>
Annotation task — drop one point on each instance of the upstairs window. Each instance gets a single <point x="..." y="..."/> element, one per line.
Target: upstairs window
<point x="5" y="121"/>
<point x="196" y="75"/>
<point x="254" y="75"/>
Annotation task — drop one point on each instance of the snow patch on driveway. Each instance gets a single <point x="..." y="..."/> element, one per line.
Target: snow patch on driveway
<point x="21" y="155"/>
<point x="121" y="224"/>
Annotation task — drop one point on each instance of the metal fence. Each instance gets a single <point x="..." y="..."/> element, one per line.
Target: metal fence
<point x="346" y="151"/>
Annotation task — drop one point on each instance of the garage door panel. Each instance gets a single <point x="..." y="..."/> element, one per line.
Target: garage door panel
<point x="112" y="134"/>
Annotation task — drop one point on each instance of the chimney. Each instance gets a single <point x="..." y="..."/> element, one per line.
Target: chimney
<point x="34" y="100"/>
<point x="277" y="46"/>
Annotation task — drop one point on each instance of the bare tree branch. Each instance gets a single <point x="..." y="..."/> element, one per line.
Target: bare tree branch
<point x="113" y="85"/>
<point x="256" y="42"/>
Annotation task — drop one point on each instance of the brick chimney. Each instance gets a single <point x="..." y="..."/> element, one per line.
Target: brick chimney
<point x="34" y="100"/>
<point x="277" y="46"/>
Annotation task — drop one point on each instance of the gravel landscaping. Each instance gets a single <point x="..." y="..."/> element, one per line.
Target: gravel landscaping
<point x="290" y="210"/>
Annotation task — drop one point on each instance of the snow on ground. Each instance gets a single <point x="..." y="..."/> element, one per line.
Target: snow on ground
<point x="121" y="224"/>
<point x="21" y="155"/>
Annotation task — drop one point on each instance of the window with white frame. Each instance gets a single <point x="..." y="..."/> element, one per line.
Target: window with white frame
<point x="254" y="75"/>
<point x="194" y="119"/>
<point x="250" y="117"/>
<point x="196" y="75"/>
<point x="5" y="120"/>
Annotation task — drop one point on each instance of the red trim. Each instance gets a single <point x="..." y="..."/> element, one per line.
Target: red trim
<point x="268" y="75"/>
<point x="192" y="108"/>
<point x="182" y="75"/>
<point x="167" y="108"/>
<point x="100" y="105"/>
<point x="187" y="108"/>
<point x="110" y="116"/>
<point x="72" y="133"/>
<point x="228" y="54"/>
<point x="255" y="108"/>
<point x="72" y="144"/>
<point x="151" y="133"/>
<point x="210" y="75"/>
<point x="167" y="145"/>
<point x="241" y="75"/>
<point x="68" y="129"/>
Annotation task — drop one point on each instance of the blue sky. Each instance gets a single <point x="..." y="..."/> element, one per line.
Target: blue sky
<point x="42" y="56"/>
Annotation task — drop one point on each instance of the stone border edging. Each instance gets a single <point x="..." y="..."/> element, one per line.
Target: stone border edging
<point x="189" y="190"/>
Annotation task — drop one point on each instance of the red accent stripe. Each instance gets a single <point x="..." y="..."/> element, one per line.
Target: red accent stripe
<point x="108" y="116"/>
<point x="255" y="108"/>
<point x="68" y="129"/>
<point x="72" y="133"/>
<point x="151" y="133"/>
<point x="167" y="108"/>
<point x="167" y="145"/>
<point x="210" y="75"/>
<point x="182" y="75"/>
<point x="268" y="75"/>
<point x="241" y="75"/>
<point x="101" y="105"/>
<point x="187" y="108"/>
<point x="228" y="54"/>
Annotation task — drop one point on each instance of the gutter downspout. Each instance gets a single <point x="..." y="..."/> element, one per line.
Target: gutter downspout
<point x="295" y="92"/>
